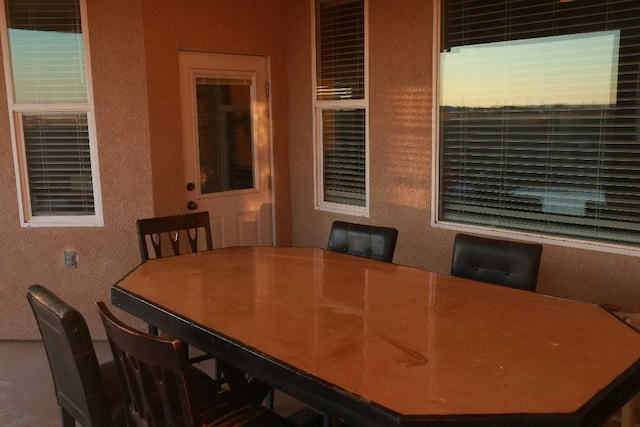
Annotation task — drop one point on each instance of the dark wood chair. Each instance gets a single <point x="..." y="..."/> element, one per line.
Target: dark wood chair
<point x="500" y="262"/>
<point x="367" y="241"/>
<point x="161" y="387"/>
<point x="87" y="392"/>
<point x="183" y="233"/>
<point x="177" y="234"/>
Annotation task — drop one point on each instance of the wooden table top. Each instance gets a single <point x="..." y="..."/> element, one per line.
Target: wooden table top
<point x="414" y="341"/>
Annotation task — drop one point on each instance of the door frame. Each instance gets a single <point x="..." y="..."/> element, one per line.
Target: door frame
<point x="268" y="117"/>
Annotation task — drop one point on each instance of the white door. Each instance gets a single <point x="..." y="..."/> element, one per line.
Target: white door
<point x="227" y="152"/>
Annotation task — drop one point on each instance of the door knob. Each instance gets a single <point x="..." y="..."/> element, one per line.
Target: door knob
<point x="191" y="205"/>
<point x="191" y="186"/>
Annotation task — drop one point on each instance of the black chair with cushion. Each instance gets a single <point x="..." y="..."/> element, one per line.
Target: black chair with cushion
<point x="500" y="262"/>
<point x="367" y="241"/>
<point x="87" y="392"/>
<point x="161" y="387"/>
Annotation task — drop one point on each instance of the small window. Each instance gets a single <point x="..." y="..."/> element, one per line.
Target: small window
<point x="539" y="118"/>
<point x="51" y="113"/>
<point x="341" y="166"/>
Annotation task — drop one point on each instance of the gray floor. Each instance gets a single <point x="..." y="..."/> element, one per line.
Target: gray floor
<point x="26" y="390"/>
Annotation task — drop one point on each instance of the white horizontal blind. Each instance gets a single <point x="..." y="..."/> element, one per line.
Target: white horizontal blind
<point x="47" y="52"/>
<point x="539" y="117"/>
<point x="344" y="162"/>
<point x="59" y="163"/>
<point x="340" y="93"/>
<point x="340" y="49"/>
<point x="52" y="110"/>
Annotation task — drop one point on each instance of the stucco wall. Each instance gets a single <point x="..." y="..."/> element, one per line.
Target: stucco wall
<point x="134" y="51"/>
<point x="401" y="97"/>
<point x="134" y="55"/>
<point x="35" y="255"/>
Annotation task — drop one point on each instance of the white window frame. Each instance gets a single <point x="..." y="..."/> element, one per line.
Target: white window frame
<point x="436" y="222"/>
<point x="318" y="106"/>
<point x="27" y="219"/>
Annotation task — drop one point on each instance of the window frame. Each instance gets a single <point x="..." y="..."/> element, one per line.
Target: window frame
<point x="16" y="110"/>
<point x="321" y="105"/>
<point x="437" y="222"/>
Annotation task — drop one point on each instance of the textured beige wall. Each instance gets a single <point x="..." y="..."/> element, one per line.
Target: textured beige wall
<point x="400" y="130"/>
<point x="134" y="55"/>
<point x="222" y="26"/>
<point x="400" y="93"/>
<point x="134" y="45"/>
<point x="35" y="255"/>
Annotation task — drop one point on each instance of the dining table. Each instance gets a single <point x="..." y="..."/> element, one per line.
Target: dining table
<point x="381" y="344"/>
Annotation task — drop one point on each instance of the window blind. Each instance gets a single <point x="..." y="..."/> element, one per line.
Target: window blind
<point x="344" y="156"/>
<point x="340" y="49"/>
<point x="539" y="117"/>
<point x="47" y="52"/>
<point x="45" y="15"/>
<point x="59" y="163"/>
<point x="340" y="96"/>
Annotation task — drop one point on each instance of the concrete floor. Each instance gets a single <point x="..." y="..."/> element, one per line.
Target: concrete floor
<point x="26" y="389"/>
<point x="27" y="397"/>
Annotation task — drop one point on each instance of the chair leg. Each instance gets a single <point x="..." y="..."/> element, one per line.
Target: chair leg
<point x="218" y="373"/>
<point x="270" y="399"/>
<point x="66" y="418"/>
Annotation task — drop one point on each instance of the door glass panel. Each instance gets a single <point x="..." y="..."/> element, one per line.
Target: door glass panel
<point x="225" y="138"/>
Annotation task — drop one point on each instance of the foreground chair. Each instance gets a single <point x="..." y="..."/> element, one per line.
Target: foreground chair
<point x="500" y="262"/>
<point x="161" y="388"/>
<point x="367" y="241"/>
<point x="87" y="393"/>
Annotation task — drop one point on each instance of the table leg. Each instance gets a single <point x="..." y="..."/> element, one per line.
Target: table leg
<point x="627" y="414"/>
<point x="253" y="388"/>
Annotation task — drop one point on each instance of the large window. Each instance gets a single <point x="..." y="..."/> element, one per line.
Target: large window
<point x="539" y="108"/>
<point x="341" y="159"/>
<point x="51" y="110"/>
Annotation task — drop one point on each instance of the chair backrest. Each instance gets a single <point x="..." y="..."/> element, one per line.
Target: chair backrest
<point x="174" y="229"/>
<point x="77" y="379"/>
<point x="367" y="241"/>
<point x="501" y="262"/>
<point x="152" y="372"/>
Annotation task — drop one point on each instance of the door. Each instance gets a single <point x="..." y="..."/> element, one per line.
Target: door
<point x="227" y="151"/>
